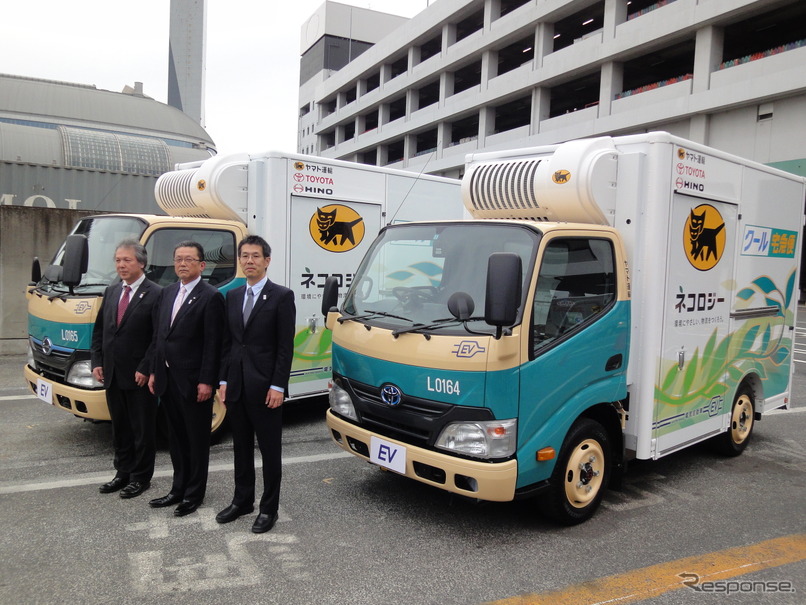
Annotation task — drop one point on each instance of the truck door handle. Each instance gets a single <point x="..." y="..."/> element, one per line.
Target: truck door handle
<point x="312" y="324"/>
<point x="614" y="363"/>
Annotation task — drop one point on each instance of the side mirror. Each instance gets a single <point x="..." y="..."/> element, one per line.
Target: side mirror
<point x="330" y="295"/>
<point x="503" y="296"/>
<point x="76" y="258"/>
<point x="36" y="272"/>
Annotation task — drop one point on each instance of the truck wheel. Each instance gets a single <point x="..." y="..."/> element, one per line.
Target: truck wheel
<point x="581" y="475"/>
<point x="733" y="441"/>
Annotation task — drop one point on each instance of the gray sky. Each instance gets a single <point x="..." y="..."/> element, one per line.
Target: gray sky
<point x="252" y="56"/>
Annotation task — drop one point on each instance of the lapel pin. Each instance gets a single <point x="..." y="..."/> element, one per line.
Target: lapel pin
<point x="264" y="297"/>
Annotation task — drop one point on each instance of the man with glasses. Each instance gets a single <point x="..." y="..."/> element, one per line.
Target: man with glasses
<point x="187" y="345"/>
<point x="256" y="364"/>
<point x="122" y="363"/>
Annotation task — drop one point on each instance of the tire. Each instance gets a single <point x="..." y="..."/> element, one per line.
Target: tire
<point x="581" y="475"/>
<point x="742" y="420"/>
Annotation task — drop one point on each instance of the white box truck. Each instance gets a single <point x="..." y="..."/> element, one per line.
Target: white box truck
<point x="611" y="299"/>
<point x="318" y="215"/>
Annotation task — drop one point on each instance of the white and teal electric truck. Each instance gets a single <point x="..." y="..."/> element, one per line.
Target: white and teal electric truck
<point x="611" y="299"/>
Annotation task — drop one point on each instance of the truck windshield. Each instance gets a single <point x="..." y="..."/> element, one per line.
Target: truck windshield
<point x="103" y="233"/>
<point x="411" y="271"/>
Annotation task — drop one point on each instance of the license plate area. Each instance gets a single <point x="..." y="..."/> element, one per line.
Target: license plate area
<point x="388" y="455"/>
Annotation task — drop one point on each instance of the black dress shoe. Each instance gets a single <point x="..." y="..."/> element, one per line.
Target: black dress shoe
<point x="232" y="512"/>
<point x="135" y="488"/>
<point x="113" y="486"/>
<point x="264" y="523"/>
<point x="186" y="507"/>
<point x="168" y="500"/>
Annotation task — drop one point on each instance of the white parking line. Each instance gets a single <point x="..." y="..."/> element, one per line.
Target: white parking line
<point x="90" y="478"/>
<point x="15" y="397"/>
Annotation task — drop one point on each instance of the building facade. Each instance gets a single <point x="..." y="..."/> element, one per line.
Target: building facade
<point x="468" y="75"/>
<point x="73" y="146"/>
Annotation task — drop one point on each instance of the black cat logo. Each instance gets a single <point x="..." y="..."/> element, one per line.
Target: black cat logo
<point x="704" y="237"/>
<point x="337" y="228"/>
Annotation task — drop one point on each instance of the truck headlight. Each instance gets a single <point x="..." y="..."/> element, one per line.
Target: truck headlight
<point x="31" y="361"/>
<point x="483" y="439"/>
<point x="341" y="403"/>
<point x="81" y="375"/>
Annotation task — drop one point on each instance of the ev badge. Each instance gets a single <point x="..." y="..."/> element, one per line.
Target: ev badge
<point x="47" y="346"/>
<point x="391" y="395"/>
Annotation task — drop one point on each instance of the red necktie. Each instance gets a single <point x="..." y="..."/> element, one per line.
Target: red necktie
<point x="124" y="302"/>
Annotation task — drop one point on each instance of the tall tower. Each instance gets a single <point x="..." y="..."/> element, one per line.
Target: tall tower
<point x="186" y="64"/>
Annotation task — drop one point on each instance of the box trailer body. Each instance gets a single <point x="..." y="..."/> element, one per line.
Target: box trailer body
<point x="655" y="309"/>
<point x="318" y="215"/>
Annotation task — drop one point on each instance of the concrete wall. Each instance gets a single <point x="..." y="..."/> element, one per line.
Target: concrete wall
<point x="26" y="232"/>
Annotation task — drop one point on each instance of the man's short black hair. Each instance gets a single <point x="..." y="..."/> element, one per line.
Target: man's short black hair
<point x="189" y="244"/>
<point x="255" y="240"/>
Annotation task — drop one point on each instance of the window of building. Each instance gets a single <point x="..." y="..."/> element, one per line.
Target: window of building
<point x="578" y="26"/>
<point x="305" y="110"/>
<point x="467" y="77"/>
<point x="431" y="48"/>
<point x="369" y="157"/>
<point x="426" y="142"/>
<point x="371" y="120"/>
<point x="327" y="139"/>
<point x="400" y="66"/>
<point x="514" y="114"/>
<point x="397" y="109"/>
<point x="465" y="129"/>
<point x="373" y="82"/>
<point x="765" y="34"/>
<point x="575" y="95"/>
<point x="327" y="107"/>
<point x="100" y="150"/>
<point x="428" y="94"/>
<point x="658" y="68"/>
<point x="329" y="53"/>
<point x="516" y="54"/>
<point x="507" y="6"/>
<point x="470" y="25"/>
<point x="349" y="130"/>
<point x="350" y="95"/>
<point x="637" y="8"/>
<point x="394" y="152"/>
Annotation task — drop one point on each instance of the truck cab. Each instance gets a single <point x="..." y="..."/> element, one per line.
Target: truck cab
<point x="63" y="303"/>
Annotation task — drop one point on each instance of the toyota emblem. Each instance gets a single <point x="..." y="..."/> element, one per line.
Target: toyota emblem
<point x="391" y="395"/>
<point x="47" y="346"/>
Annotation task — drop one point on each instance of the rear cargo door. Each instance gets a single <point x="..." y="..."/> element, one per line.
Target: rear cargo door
<point x="327" y="237"/>
<point x="690" y="392"/>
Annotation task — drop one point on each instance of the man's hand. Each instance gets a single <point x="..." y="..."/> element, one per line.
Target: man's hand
<point x="222" y="393"/>
<point x="140" y="378"/>
<point x="203" y="392"/>
<point x="98" y="374"/>
<point x="151" y="384"/>
<point x="274" y="399"/>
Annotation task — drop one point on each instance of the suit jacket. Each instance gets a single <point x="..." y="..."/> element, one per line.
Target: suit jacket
<point x="121" y="350"/>
<point x="192" y="344"/>
<point x="259" y="354"/>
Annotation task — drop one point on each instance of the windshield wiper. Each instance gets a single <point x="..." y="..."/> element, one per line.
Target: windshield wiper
<point x="439" y="323"/>
<point x="344" y="318"/>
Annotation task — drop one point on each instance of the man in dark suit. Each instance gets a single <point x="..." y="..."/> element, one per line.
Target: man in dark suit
<point x="187" y="354"/>
<point x="256" y="364"/>
<point x="121" y="362"/>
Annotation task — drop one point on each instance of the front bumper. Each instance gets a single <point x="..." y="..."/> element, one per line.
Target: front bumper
<point x="494" y="481"/>
<point x="85" y="403"/>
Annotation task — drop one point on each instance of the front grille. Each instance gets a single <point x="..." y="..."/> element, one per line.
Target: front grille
<point x="54" y="365"/>
<point x="416" y="421"/>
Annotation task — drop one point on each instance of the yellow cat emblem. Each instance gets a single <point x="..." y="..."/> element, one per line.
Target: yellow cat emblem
<point x="336" y="228"/>
<point x="704" y="237"/>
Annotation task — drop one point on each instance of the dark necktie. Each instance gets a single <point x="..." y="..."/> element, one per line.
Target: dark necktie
<point x="124" y="302"/>
<point x="250" y="302"/>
